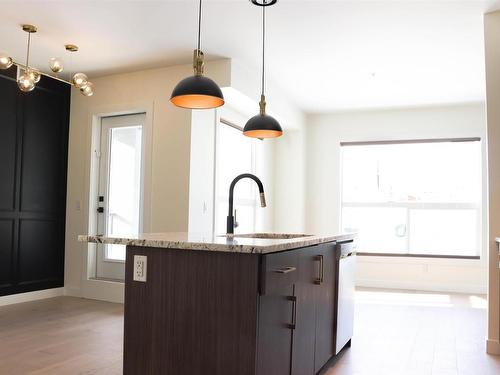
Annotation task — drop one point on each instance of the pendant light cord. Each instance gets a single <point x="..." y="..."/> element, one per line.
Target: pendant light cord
<point x="263" y="46"/>
<point x="199" y="27"/>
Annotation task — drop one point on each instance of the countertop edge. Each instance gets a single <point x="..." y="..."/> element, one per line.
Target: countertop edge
<point x="232" y="245"/>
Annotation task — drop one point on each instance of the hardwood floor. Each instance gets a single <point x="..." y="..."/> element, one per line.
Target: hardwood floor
<point x="396" y="333"/>
<point x="61" y="335"/>
<point x="417" y="333"/>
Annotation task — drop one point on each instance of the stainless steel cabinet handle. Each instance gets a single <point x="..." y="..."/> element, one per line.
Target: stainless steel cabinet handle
<point x="294" y="312"/>
<point x="321" y="275"/>
<point x="285" y="270"/>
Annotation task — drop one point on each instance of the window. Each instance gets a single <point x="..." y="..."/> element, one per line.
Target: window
<point x="413" y="198"/>
<point x="235" y="155"/>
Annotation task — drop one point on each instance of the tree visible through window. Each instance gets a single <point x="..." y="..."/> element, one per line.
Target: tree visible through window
<point x="413" y="198"/>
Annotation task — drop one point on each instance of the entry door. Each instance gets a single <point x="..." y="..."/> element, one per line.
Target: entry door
<point x="120" y="192"/>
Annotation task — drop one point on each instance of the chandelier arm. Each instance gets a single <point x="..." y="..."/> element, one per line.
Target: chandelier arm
<point x="22" y="66"/>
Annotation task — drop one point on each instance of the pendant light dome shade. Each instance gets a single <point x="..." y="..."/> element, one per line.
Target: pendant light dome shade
<point x="262" y="126"/>
<point x="197" y="92"/>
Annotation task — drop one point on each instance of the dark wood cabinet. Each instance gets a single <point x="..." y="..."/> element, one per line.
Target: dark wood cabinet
<point x="304" y="336"/>
<point x="277" y="312"/>
<point x="314" y="336"/>
<point x="33" y="164"/>
<point x="222" y="313"/>
<point x="326" y="295"/>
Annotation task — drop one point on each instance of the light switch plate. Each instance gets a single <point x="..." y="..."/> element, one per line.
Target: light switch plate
<point x="140" y="267"/>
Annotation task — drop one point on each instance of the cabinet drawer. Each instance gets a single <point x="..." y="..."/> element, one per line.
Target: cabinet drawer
<point x="277" y="271"/>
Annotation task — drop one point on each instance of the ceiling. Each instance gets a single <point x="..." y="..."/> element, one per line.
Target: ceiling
<point x="328" y="55"/>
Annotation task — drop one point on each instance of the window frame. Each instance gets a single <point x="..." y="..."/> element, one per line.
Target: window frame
<point x="478" y="207"/>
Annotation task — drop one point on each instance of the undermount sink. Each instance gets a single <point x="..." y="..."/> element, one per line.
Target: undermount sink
<point x="273" y="236"/>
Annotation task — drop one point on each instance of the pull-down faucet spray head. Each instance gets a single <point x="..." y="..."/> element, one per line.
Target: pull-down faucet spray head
<point x="262" y="200"/>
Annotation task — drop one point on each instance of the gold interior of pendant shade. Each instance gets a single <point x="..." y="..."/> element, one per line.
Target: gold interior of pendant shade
<point x="197" y="101"/>
<point x="263" y="133"/>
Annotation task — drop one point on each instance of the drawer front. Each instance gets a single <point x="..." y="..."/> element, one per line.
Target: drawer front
<point x="277" y="271"/>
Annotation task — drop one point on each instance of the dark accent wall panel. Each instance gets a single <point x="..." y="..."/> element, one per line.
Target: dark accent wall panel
<point x="41" y="154"/>
<point x="8" y="129"/>
<point x="38" y="257"/>
<point x="6" y="236"/>
<point x="33" y="168"/>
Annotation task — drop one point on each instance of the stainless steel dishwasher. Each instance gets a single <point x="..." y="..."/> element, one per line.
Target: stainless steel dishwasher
<point x="346" y="285"/>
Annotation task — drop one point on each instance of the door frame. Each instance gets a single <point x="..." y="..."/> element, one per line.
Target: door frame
<point x="112" y="291"/>
<point x="115" y="269"/>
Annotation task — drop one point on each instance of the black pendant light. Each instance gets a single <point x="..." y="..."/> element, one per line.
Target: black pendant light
<point x="263" y="125"/>
<point x="197" y="92"/>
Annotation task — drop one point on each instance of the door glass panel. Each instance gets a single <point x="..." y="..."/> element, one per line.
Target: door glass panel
<point x="124" y="191"/>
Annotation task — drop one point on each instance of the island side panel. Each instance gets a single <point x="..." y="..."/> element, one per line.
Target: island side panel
<point x="195" y="314"/>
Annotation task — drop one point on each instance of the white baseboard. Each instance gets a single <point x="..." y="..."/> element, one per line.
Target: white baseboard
<point x="419" y="285"/>
<point x="72" y="291"/>
<point x="102" y="290"/>
<point x="493" y="347"/>
<point x="31" y="296"/>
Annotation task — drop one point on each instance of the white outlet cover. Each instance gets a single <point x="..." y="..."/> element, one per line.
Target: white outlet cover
<point x="140" y="267"/>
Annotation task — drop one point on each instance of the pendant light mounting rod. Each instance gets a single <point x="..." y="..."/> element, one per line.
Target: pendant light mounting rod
<point x="198" y="63"/>
<point x="262" y="104"/>
<point x="29" y="29"/>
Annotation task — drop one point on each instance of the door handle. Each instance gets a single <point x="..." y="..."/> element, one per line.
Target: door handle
<point x="293" y="299"/>
<point x="321" y="270"/>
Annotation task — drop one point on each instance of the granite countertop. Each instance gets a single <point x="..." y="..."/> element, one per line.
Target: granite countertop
<point x="240" y="243"/>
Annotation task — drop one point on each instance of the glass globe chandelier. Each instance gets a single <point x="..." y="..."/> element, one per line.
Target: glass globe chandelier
<point x="28" y="77"/>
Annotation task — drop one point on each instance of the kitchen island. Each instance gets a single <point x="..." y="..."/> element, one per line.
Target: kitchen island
<point x="256" y="304"/>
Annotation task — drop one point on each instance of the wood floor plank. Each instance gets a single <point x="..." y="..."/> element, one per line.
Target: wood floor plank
<point x="396" y="333"/>
<point x="62" y="335"/>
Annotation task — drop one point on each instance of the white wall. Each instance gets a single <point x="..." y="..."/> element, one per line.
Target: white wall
<point x="492" y="47"/>
<point x="166" y="185"/>
<point x="202" y="172"/>
<point x="324" y="134"/>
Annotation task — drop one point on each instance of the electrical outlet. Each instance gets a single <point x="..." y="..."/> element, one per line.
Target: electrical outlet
<point x="140" y="267"/>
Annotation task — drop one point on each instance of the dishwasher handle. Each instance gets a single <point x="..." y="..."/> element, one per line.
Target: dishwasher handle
<point x="346" y="249"/>
<point x="343" y="256"/>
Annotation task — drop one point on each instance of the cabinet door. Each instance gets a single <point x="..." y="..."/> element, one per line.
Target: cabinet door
<point x="275" y="334"/>
<point x="304" y="334"/>
<point x="277" y="313"/>
<point x="325" y="305"/>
